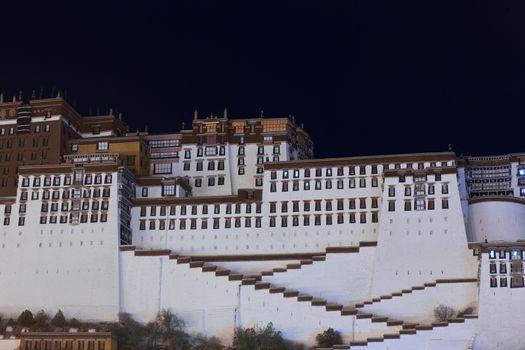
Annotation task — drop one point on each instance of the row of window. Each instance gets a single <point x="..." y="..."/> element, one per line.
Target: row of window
<point x="238" y="222"/>
<point x="419" y="204"/>
<point x="93" y="218"/>
<point x="183" y="210"/>
<point x="85" y="205"/>
<point x="515" y="282"/>
<point x="36" y="129"/>
<point x="514" y="254"/>
<point x="63" y="345"/>
<point x="66" y="194"/>
<point x="318" y="184"/>
<point x="327" y="206"/>
<point x="221" y="151"/>
<point x="164" y="143"/>
<point x="22" y="142"/>
<point x="515" y="267"/>
<point x="57" y="180"/>
<point x="352" y="170"/>
<point x="420" y="189"/>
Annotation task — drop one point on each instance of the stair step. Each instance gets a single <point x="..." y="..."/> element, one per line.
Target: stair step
<point x="408" y="331"/>
<point x="304" y="297"/>
<point x="358" y="343"/>
<point x="183" y="260"/>
<point x="375" y="300"/>
<point x="456" y="320"/>
<point x="379" y="319"/>
<point x="375" y="340"/>
<point x="440" y="324"/>
<point x="418" y="288"/>
<point x="364" y="315"/>
<point x="319" y="258"/>
<point x="430" y="284"/>
<point x="348" y="311"/>
<point x="247" y="281"/>
<point x="334" y="307"/>
<point x="279" y="269"/>
<point x="397" y="294"/>
<point x="235" y="277"/>
<point x="424" y="328"/>
<point x="276" y="290"/>
<point x="293" y="266"/>
<point x="307" y="262"/>
<point x="340" y="347"/>
<point x="386" y="297"/>
<point x="409" y="325"/>
<point x="194" y="264"/>
<point x="222" y="272"/>
<point x="391" y="336"/>
<point x="290" y="293"/>
<point x="394" y="323"/>
<point x="406" y="291"/>
<point x="262" y="285"/>
<point x="318" y="302"/>
<point x="360" y="305"/>
<point x="209" y="268"/>
<point x="267" y="273"/>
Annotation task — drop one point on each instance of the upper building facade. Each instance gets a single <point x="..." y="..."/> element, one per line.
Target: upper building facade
<point x="233" y="223"/>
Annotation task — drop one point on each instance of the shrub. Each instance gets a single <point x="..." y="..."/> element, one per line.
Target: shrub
<point x="201" y="342"/>
<point x="466" y="311"/>
<point x="259" y="339"/>
<point x="26" y="319"/>
<point x="329" y="338"/>
<point x="59" y="320"/>
<point x="41" y="321"/>
<point x="443" y="313"/>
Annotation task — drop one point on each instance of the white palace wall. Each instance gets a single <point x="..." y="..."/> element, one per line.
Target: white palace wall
<point x="412" y="245"/>
<point x="496" y="220"/>
<point x="60" y="266"/>
<point x="343" y="278"/>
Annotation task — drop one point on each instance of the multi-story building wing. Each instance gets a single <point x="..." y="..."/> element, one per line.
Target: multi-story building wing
<point x="232" y="223"/>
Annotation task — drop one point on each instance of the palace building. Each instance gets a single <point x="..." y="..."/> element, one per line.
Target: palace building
<point x="233" y="223"/>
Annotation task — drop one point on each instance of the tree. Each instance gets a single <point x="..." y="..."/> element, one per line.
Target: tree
<point x="443" y="313"/>
<point x="26" y="319"/>
<point x="328" y="338"/>
<point x="59" y="320"/>
<point x="267" y="338"/>
<point x="41" y="321"/>
<point x="201" y="342"/>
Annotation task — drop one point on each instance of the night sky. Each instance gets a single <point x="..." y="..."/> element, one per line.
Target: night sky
<point x="364" y="77"/>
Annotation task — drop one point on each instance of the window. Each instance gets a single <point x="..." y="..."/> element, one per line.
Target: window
<point x="503" y="282"/>
<point x="102" y="146"/>
<point x="431" y="204"/>
<point x="503" y="268"/>
<point x="241" y="151"/>
<point x="108" y="179"/>
<point x="284" y="187"/>
<point x="444" y="204"/>
<point x="362" y="218"/>
<point x="221" y="181"/>
<point x="21" y="221"/>
<point x="74" y="147"/>
<point x="493" y="282"/>
<point x="516" y="282"/>
<point x="222" y="151"/>
<point x="144" y="191"/>
<point x="328" y="172"/>
<point x="162" y="168"/>
<point x="276" y="149"/>
<point x="493" y="268"/>
<point x="362" y="182"/>
<point x="408" y="191"/>
<point x="374" y="182"/>
<point x="211" y="181"/>
<point x="391" y="206"/>
<point x="351" y="183"/>
<point x="328" y="184"/>
<point x="444" y="189"/>
<point x="391" y="191"/>
<point x="317" y="184"/>
<point x="419" y="204"/>
<point x="220" y="165"/>
<point x="306" y="185"/>
<point x="260" y="150"/>
<point x="408" y="206"/>
<point x="241" y="171"/>
<point x="168" y="190"/>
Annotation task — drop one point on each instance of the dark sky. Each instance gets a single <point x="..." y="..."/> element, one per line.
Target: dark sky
<point x="365" y="77"/>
